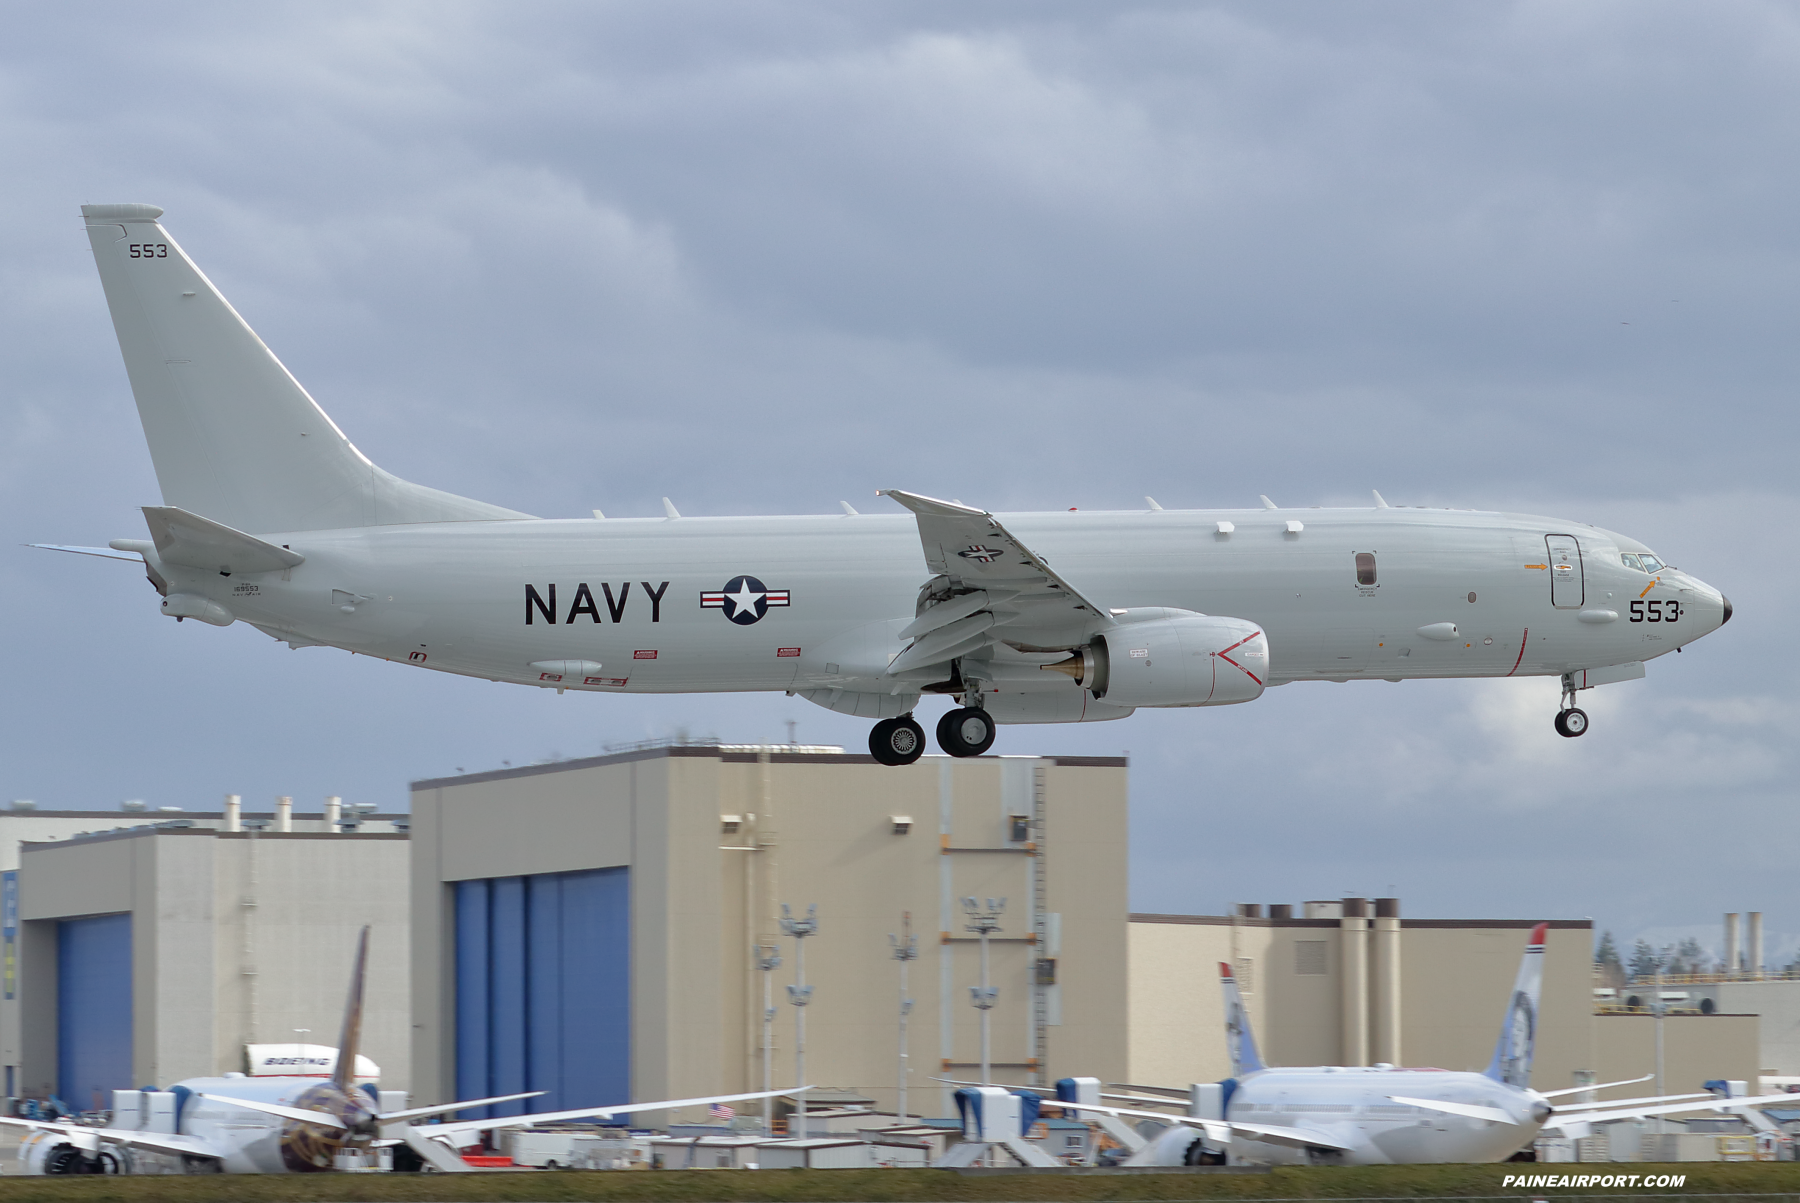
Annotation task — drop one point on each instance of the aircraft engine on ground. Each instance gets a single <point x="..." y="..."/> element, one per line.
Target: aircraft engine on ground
<point x="1165" y="657"/>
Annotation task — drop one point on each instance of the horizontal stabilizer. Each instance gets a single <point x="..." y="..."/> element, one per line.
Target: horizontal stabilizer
<point x="110" y="553"/>
<point x="323" y="1118"/>
<point x="196" y="542"/>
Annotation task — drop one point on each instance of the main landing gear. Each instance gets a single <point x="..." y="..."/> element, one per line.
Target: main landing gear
<point x="965" y="731"/>
<point x="1571" y="720"/>
<point x="897" y="740"/>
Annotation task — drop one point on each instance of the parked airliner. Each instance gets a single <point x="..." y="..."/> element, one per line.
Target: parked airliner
<point x="273" y="1125"/>
<point x="1381" y="1114"/>
<point x="272" y="517"/>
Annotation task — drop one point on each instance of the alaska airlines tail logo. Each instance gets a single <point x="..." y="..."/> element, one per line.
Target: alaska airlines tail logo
<point x="744" y="599"/>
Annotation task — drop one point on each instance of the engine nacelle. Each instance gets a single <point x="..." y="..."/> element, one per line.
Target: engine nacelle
<point x="1166" y="657"/>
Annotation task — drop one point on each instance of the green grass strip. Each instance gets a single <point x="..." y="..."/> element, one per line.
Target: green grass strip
<point x="900" y="1186"/>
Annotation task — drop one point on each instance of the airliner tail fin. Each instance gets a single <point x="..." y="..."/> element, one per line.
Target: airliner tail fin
<point x="233" y="436"/>
<point x="1244" y="1057"/>
<point x="1518" y="1033"/>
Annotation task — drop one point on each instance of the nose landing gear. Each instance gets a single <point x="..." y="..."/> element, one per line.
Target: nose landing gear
<point x="1571" y="720"/>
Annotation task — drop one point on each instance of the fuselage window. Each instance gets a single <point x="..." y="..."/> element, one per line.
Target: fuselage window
<point x="1365" y="568"/>
<point x="1631" y="561"/>
<point x="1651" y="563"/>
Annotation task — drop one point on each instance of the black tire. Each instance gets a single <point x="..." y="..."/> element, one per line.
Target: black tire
<point x="965" y="731"/>
<point x="896" y="741"/>
<point x="1572" y="723"/>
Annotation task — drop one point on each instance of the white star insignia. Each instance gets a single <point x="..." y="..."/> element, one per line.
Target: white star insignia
<point x="744" y="599"/>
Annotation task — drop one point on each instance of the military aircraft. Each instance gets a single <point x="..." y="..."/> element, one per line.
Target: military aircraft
<point x="270" y="1125"/>
<point x="1376" y="1115"/>
<point x="272" y="517"/>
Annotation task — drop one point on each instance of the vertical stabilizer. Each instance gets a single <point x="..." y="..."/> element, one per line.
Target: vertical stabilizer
<point x="232" y="434"/>
<point x="343" y="1074"/>
<point x="1518" y="1033"/>
<point x="1238" y="1036"/>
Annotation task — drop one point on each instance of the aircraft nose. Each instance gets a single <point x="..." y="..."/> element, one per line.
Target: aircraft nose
<point x="1727" y="602"/>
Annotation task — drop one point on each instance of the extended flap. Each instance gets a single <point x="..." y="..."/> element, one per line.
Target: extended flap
<point x="196" y="542"/>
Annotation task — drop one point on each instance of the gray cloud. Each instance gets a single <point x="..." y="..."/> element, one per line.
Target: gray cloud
<point x="763" y="256"/>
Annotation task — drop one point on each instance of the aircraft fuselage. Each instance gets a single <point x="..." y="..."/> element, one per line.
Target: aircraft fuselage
<point x="1452" y="594"/>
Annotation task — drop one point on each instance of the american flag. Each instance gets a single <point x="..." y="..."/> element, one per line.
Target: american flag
<point x="722" y="1111"/>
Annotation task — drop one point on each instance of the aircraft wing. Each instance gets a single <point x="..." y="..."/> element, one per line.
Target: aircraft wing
<point x="88" y="1139"/>
<point x="107" y="552"/>
<point x="1219" y="1130"/>
<point x="454" y="1132"/>
<point x="1570" y="1108"/>
<point x="1717" y="1103"/>
<point x="389" y="1117"/>
<point x="1555" y="1094"/>
<point x="1012" y="584"/>
<point x="196" y="542"/>
<point x="1471" y="1110"/>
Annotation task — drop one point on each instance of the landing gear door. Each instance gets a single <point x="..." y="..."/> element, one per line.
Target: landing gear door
<point x="1566" y="586"/>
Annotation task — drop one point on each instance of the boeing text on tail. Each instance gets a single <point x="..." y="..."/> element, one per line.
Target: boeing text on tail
<point x="270" y="516"/>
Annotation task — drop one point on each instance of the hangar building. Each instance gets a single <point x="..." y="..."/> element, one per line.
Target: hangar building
<point x="587" y="927"/>
<point x="155" y="953"/>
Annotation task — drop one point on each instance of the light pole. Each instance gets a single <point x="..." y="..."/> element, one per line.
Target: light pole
<point x="984" y="921"/>
<point x="906" y="950"/>
<point x="768" y="960"/>
<point x="799" y="994"/>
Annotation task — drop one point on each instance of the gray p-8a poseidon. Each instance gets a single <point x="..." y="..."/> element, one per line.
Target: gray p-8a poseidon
<point x="272" y="517"/>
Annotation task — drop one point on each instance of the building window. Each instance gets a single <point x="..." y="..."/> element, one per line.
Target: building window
<point x="1309" y="958"/>
<point x="1246" y="975"/>
<point x="1365" y="568"/>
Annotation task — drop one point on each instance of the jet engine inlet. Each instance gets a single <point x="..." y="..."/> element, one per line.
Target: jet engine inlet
<point x="1183" y="659"/>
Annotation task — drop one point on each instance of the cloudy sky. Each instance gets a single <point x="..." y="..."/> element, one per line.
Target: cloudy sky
<point x="761" y="256"/>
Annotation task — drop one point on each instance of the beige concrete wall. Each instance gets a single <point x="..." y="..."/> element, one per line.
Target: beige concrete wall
<point x="1176" y="1024"/>
<point x="1696" y="1049"/>
<point x="1454" y="982"/>
<point x="813" y="829"/>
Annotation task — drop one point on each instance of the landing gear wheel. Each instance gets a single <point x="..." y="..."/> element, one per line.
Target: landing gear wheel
<point x="897" y="740"/>
<point x="1572" y="722"/>
<point x="965" y="731"/>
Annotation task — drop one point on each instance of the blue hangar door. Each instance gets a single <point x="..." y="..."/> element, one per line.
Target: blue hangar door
<point x="93" y="1010"/>
<point x="543" y="989"/>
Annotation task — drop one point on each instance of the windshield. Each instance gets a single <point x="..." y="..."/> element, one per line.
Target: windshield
<point x="1643" y="562"/>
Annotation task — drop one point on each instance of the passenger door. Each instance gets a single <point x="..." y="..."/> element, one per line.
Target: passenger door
<point x="1567" y="588"/>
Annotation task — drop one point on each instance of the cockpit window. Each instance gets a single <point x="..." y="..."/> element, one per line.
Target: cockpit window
<point x="1651" y="563"/>
<point x="1365" y="568"/>
<point x="1631" y="561"/>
